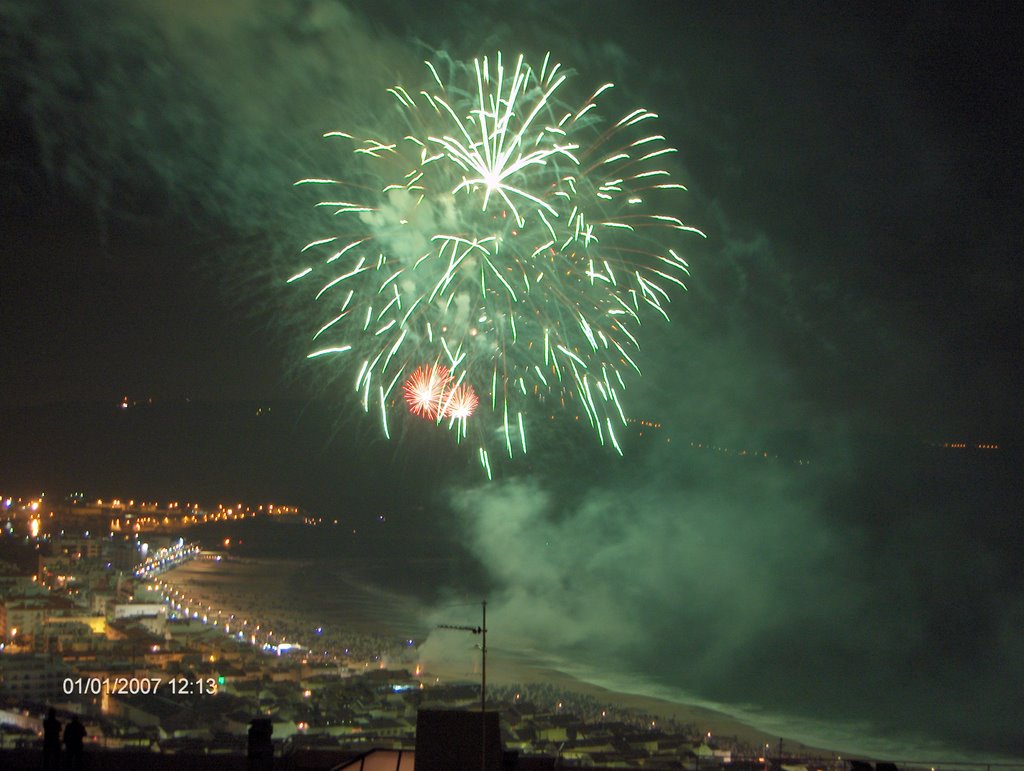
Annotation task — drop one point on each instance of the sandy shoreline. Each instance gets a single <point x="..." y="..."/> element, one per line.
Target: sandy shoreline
<point x="704" y="719"/>
<point x="257" y="599"/>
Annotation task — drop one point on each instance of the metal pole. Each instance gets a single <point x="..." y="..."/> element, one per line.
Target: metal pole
<point x="480" y="630"/>
<point x="483" y="659"/>
<point x="483" y="686"/>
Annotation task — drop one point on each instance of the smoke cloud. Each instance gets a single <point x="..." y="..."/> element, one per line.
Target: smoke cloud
<point x="779" y="589"/>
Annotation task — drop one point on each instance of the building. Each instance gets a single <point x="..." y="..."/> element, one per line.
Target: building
<point x="34" y="677"/>
<point x="448" y="739"/>
<point x="25" y="616"/>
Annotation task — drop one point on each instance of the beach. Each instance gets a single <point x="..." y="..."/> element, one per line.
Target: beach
<point x="368" y="627"/>
<point x="329" y="608"/>
<point x="271" y="601"/>
<point x="513" y="673"/>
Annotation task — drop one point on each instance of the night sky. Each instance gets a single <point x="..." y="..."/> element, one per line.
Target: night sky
<point x="857" y="171"/>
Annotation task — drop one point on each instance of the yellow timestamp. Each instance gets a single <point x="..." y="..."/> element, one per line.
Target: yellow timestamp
<point x="187" y="686"/>
<point x="136" y="686"/>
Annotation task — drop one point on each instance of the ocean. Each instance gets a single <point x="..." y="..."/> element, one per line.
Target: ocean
<point x="383" y="576"/>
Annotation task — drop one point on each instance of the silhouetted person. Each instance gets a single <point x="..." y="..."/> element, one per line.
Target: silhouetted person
<point x="261" y="746"/>
<point x="51" y="741"/>
<point x="74" y="736"/>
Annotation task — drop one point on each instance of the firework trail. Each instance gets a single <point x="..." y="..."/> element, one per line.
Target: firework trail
<point x="502" y="244"/>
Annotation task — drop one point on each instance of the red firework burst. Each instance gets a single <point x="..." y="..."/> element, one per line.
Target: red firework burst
<point x="424" y="390"/>
<point x="460" y="402"/>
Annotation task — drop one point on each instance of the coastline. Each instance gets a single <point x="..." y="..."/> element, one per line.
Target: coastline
<point x="258" y="597"/>
<point x="719" y="724"/>
<point x="367" y="619"/>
